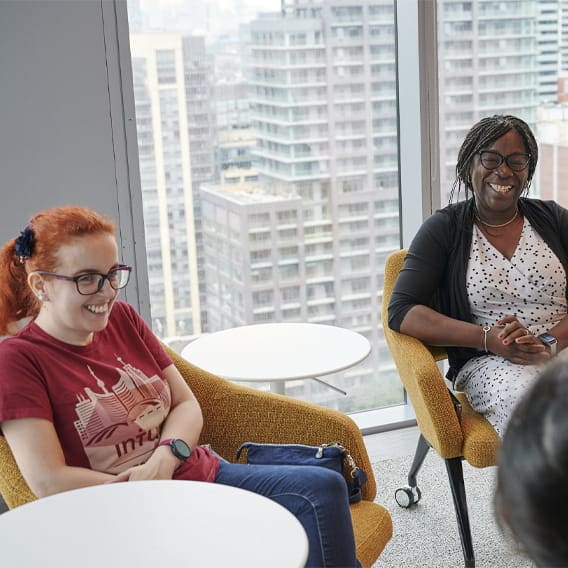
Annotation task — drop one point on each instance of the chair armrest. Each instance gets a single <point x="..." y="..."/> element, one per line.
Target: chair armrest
<point x="428" y="392"/>
<point x="234" y="414"/>
<point x="13" y="488"/>
<point x="417" y="369"/>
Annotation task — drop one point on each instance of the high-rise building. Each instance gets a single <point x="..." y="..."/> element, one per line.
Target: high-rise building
<point x="233" y="156"/>
<point x="198" y="69"/>
<point x="323" y="107"/>
<point x="174" y="125"/>
<point x="563" y="22"/>
<point x="488" y="64"/>
<point x="548" y="46"/>
<point x="257" y="272"/>
<point x="232" y="107"/>
<point x="553" y="152"/>
<point x="252" y="256"/>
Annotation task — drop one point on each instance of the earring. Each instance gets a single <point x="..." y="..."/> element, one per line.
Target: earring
<point x="41" y="297"/>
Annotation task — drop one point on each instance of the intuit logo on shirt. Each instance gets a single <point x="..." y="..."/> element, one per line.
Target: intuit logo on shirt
<point x="119" y="427"/>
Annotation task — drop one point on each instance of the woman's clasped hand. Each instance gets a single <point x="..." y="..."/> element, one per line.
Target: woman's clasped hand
<point x="514" y="342"/>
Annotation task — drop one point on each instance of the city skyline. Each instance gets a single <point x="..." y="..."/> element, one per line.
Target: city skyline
<point x="301" y="206"/>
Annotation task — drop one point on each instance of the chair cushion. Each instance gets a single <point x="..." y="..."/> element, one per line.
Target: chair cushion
<point x="481" y="441"/>
<point x="372" y="525"/>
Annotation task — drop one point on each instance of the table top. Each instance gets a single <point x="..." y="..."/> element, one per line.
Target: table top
<point x="144" y="524"/>
<point x="277" y="351"/>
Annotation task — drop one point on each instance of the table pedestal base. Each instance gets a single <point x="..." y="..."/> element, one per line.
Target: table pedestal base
<point x="278" y="387"/>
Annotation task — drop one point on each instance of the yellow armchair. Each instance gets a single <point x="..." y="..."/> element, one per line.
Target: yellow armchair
<point x="234" y="414"/>
<point x="469" y="436"/>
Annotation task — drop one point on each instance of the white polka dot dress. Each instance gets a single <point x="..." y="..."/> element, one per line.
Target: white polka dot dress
<point x="532" y="287"/>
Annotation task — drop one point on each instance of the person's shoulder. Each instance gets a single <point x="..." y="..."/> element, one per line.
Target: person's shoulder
<point x="123" y="309"/>
<point x="123" y="312"/>
<point x="453" y="210"/>
<point x="21" y="344"/>
<point x="25" y="333"/>
<point x="542" y="206"/>
<point x="9" y="344"/>
<point x="447" y="216"/>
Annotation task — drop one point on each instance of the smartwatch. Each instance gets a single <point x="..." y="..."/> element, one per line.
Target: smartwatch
<point x="179" y="448"/>
<point x="550" y="341"/>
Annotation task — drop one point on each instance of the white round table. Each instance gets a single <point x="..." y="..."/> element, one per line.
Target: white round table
<point x="149" y="524"/>
<point x="278" y="352"/>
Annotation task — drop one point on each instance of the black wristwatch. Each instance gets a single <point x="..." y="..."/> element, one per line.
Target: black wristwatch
<point x="179" y="448"/>
<point x="550" y="341"/>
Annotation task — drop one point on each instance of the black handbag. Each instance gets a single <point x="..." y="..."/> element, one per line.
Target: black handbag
<point x="333" y="456"/>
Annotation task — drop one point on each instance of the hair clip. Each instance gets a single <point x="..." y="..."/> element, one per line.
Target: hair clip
<point x="24" y="244"/>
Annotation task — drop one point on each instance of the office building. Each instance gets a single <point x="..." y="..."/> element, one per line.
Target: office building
<point x="553" y="152"/>
<point x="174" y="123"/>
<point x="548" y="48"/>
<point x="323" y="107"/>
<point x="259" y="271"/>
<point x="563" y="22"/>
<point x="488" y="64"/>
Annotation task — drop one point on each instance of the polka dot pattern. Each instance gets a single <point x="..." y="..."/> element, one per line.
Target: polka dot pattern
<point x="530" y="286"/>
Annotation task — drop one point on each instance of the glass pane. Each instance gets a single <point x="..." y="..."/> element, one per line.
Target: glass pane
<point x="269" y="167"/>
<point x="490" y="61"/>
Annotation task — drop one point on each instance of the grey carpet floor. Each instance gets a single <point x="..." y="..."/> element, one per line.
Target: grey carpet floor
<point x="426" y="535"/>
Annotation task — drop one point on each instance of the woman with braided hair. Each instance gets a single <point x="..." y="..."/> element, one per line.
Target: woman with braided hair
<point x="486" y="276"/>
<point x="89" y="396"/>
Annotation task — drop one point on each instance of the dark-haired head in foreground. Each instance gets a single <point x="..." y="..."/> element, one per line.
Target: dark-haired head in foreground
<point x="532" y="488"/>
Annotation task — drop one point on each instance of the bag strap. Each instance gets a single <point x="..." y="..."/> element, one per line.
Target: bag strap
<point x="240" y="449"/>
<point x="358" y="476"/>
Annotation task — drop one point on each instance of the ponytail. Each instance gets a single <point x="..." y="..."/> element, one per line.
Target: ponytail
<point x="17" y="300"/>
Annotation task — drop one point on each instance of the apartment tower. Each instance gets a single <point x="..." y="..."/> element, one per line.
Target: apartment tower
<point x="174" y="124"/>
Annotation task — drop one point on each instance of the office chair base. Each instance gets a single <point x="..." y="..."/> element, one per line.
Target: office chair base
<point x="407" y="496"/>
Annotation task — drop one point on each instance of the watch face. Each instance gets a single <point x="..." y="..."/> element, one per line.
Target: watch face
<point x="180" y="449"/>
<point x="547" y="338"/>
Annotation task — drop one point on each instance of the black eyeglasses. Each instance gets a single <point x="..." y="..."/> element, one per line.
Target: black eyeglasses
<point x="92" y="282"/>
<point x="491" y="160"/>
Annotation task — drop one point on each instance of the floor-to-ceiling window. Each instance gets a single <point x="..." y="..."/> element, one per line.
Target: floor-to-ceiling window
<point x="278" y="143"/>
<point x="268" y="144"/>
<point x="502" y="57"/>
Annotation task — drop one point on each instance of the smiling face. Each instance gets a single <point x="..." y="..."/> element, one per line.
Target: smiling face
<point x="65" y="314"/>
<point x="497" y="191"/>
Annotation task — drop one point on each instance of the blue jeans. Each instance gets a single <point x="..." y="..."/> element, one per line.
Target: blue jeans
<point x="316" y="496"/>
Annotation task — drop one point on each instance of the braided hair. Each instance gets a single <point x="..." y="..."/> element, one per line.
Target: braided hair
<point x="483" y="134"/>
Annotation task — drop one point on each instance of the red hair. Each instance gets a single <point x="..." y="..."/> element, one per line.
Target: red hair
<point x="51" y="229"/>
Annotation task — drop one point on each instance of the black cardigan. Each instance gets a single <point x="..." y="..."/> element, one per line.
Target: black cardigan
<point x="434" y="271"/>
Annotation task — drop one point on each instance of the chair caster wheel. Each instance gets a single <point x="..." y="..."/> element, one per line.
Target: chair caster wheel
<point x="407" y="496"/>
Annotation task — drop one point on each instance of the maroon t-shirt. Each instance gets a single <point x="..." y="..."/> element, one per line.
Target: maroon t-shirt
<point x="107" y="400"/>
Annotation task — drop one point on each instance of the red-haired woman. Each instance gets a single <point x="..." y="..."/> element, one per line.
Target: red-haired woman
<point x="88" y="395"/>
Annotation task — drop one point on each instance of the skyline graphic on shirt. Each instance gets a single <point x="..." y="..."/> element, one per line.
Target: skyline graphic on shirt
<point x="120" y="424"/>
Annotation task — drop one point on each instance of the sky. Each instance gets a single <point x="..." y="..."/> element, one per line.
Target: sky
<point x="213" y="17"/>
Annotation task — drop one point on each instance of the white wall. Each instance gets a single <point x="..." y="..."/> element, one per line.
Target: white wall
<point x="67" y="128"/>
